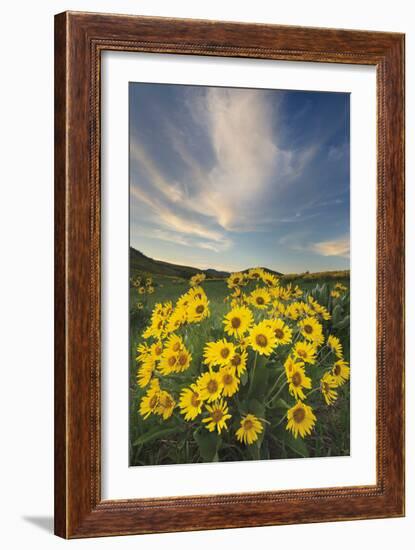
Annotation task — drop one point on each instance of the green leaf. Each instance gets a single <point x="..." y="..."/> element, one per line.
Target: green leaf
<point x="208" y="443"/>
<point x="280" y="404"/>
<point x="260" y="381"/>
<point x="256" y="407"/>
<point x="155" y="434"/>
<point x="297" y="445"/>
<point x="337" y="315"/>
<point x="244" y="378"/>
<point x="324" y="294"/>
<point x="344" y="322"/>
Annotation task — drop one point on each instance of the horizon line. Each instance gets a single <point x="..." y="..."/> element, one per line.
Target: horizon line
<point x="239" y="270"/>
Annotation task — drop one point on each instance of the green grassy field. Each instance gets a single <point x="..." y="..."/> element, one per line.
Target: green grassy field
<point x="330" y="439"/>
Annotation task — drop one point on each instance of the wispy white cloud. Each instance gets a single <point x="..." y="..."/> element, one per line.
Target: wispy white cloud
<point x="300" y="242"/>
<point x="180" y="238"/>
<point x="240" y="126"/>
<point x="169" y="189"/>
<point x="169" y="218"/>
<point x="222" y="191"/>
<point x="340" y="247"/>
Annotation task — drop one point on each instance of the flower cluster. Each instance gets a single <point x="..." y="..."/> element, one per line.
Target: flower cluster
<point x="338" y="290"/>
<point x="214" y="382"/>
<point x="144" y="286"/>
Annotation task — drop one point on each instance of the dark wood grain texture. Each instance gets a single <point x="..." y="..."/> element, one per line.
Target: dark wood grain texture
<point x="79" y="40"/>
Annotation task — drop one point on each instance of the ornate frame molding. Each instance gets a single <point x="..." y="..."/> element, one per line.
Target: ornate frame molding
<point x="79" y="40"/>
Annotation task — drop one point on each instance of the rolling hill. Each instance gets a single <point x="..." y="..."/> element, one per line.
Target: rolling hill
<point x="141" y="262"/>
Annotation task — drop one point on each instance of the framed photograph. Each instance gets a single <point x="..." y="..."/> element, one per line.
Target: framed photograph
<point x="229" y="275"/>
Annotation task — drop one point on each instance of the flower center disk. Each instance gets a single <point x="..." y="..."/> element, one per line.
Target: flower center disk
<point x="212" y="386"/>
<point x="261" y="340"/>
<point x="236" y="322"/>
<point x="299" y="415"/>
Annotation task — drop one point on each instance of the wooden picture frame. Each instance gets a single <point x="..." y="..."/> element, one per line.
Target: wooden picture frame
<point x="79" y="40"/>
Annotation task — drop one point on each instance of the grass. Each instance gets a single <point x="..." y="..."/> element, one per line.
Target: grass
<point x="330" y="438"/>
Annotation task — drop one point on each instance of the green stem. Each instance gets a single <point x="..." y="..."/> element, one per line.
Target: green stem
<point x="281" y="420"/>
<point x="296" y="337"/>
<point x="253" y="373"/>
<point x="320" y="350"/>
<point x="313" y="390"/>
<point x="276" y="395"/>
<point x="325" y="357"/>
<point x="276" y="384"/>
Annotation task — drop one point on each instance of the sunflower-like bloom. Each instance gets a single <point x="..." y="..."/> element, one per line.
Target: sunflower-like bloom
<point x="196" y="293"/>
<point x="260" y="298"/>
<point x="278" y="309"/>
<point x="156" y="350"/>
<point x="142" y="290"/>
<point x="197" y="279"/>
<point x="135" y="281"/>
<point x="335" y="345"/>
<point x="238" y="321"/>
<point x="210" y="386"/>
<point x="327" y="386"/>
<point x="219" y="414"/>
<point x="174" y="344"/>
<point x="249" y="429"/>
<point x="297" y="380"/>
<point x="190" y="402"/>
<point x="293" y="311"/>
<point x="184" y="358"/>
<point x="145" y="372"/>
<point x="175" y="357"/>
<point x="283" y="333"/>
<point x="255" y="273"/>
<point x="340" y="372"/>
<point x="319" y="309"/>
<point x="166" y="405"/>
<point x="177" y="318"/>
<point x="156" y="327"/>
<point x="244" y="342"/>
<point x="198" y="309"/>
<point x="340" y="287"/>
<point x="269" y="279"/>
<point x="290" y="365"/>
<point x="262" y="338"/>
<point x="158" y="309"/>
<point x="281" y="293"/>
<point x="183" y="301"/>
<point x="168" y="362"/>
<point x="143" y="351"/>
<point x="301" y="420"/>
<point x="239" y="361"/>
<point x="229" y="381"/>
<point x="235" y="280"/>
<point x="305" y="310"/>
<point x="218" y="353"/>
<point x="150" y="402"/>
<point x="305" y="351"/>
<point x="335" y="294"/>
<point x="312" y="330"/>
<point x="296" y="292"/>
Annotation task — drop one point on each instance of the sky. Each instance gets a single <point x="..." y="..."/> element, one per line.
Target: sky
<point x="232" y="178"/>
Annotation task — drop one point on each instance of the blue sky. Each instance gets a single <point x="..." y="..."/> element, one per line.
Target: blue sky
<point x="232" y="178"/>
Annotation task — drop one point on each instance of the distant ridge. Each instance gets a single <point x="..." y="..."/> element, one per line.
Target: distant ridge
<point x="141" y="262"/>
